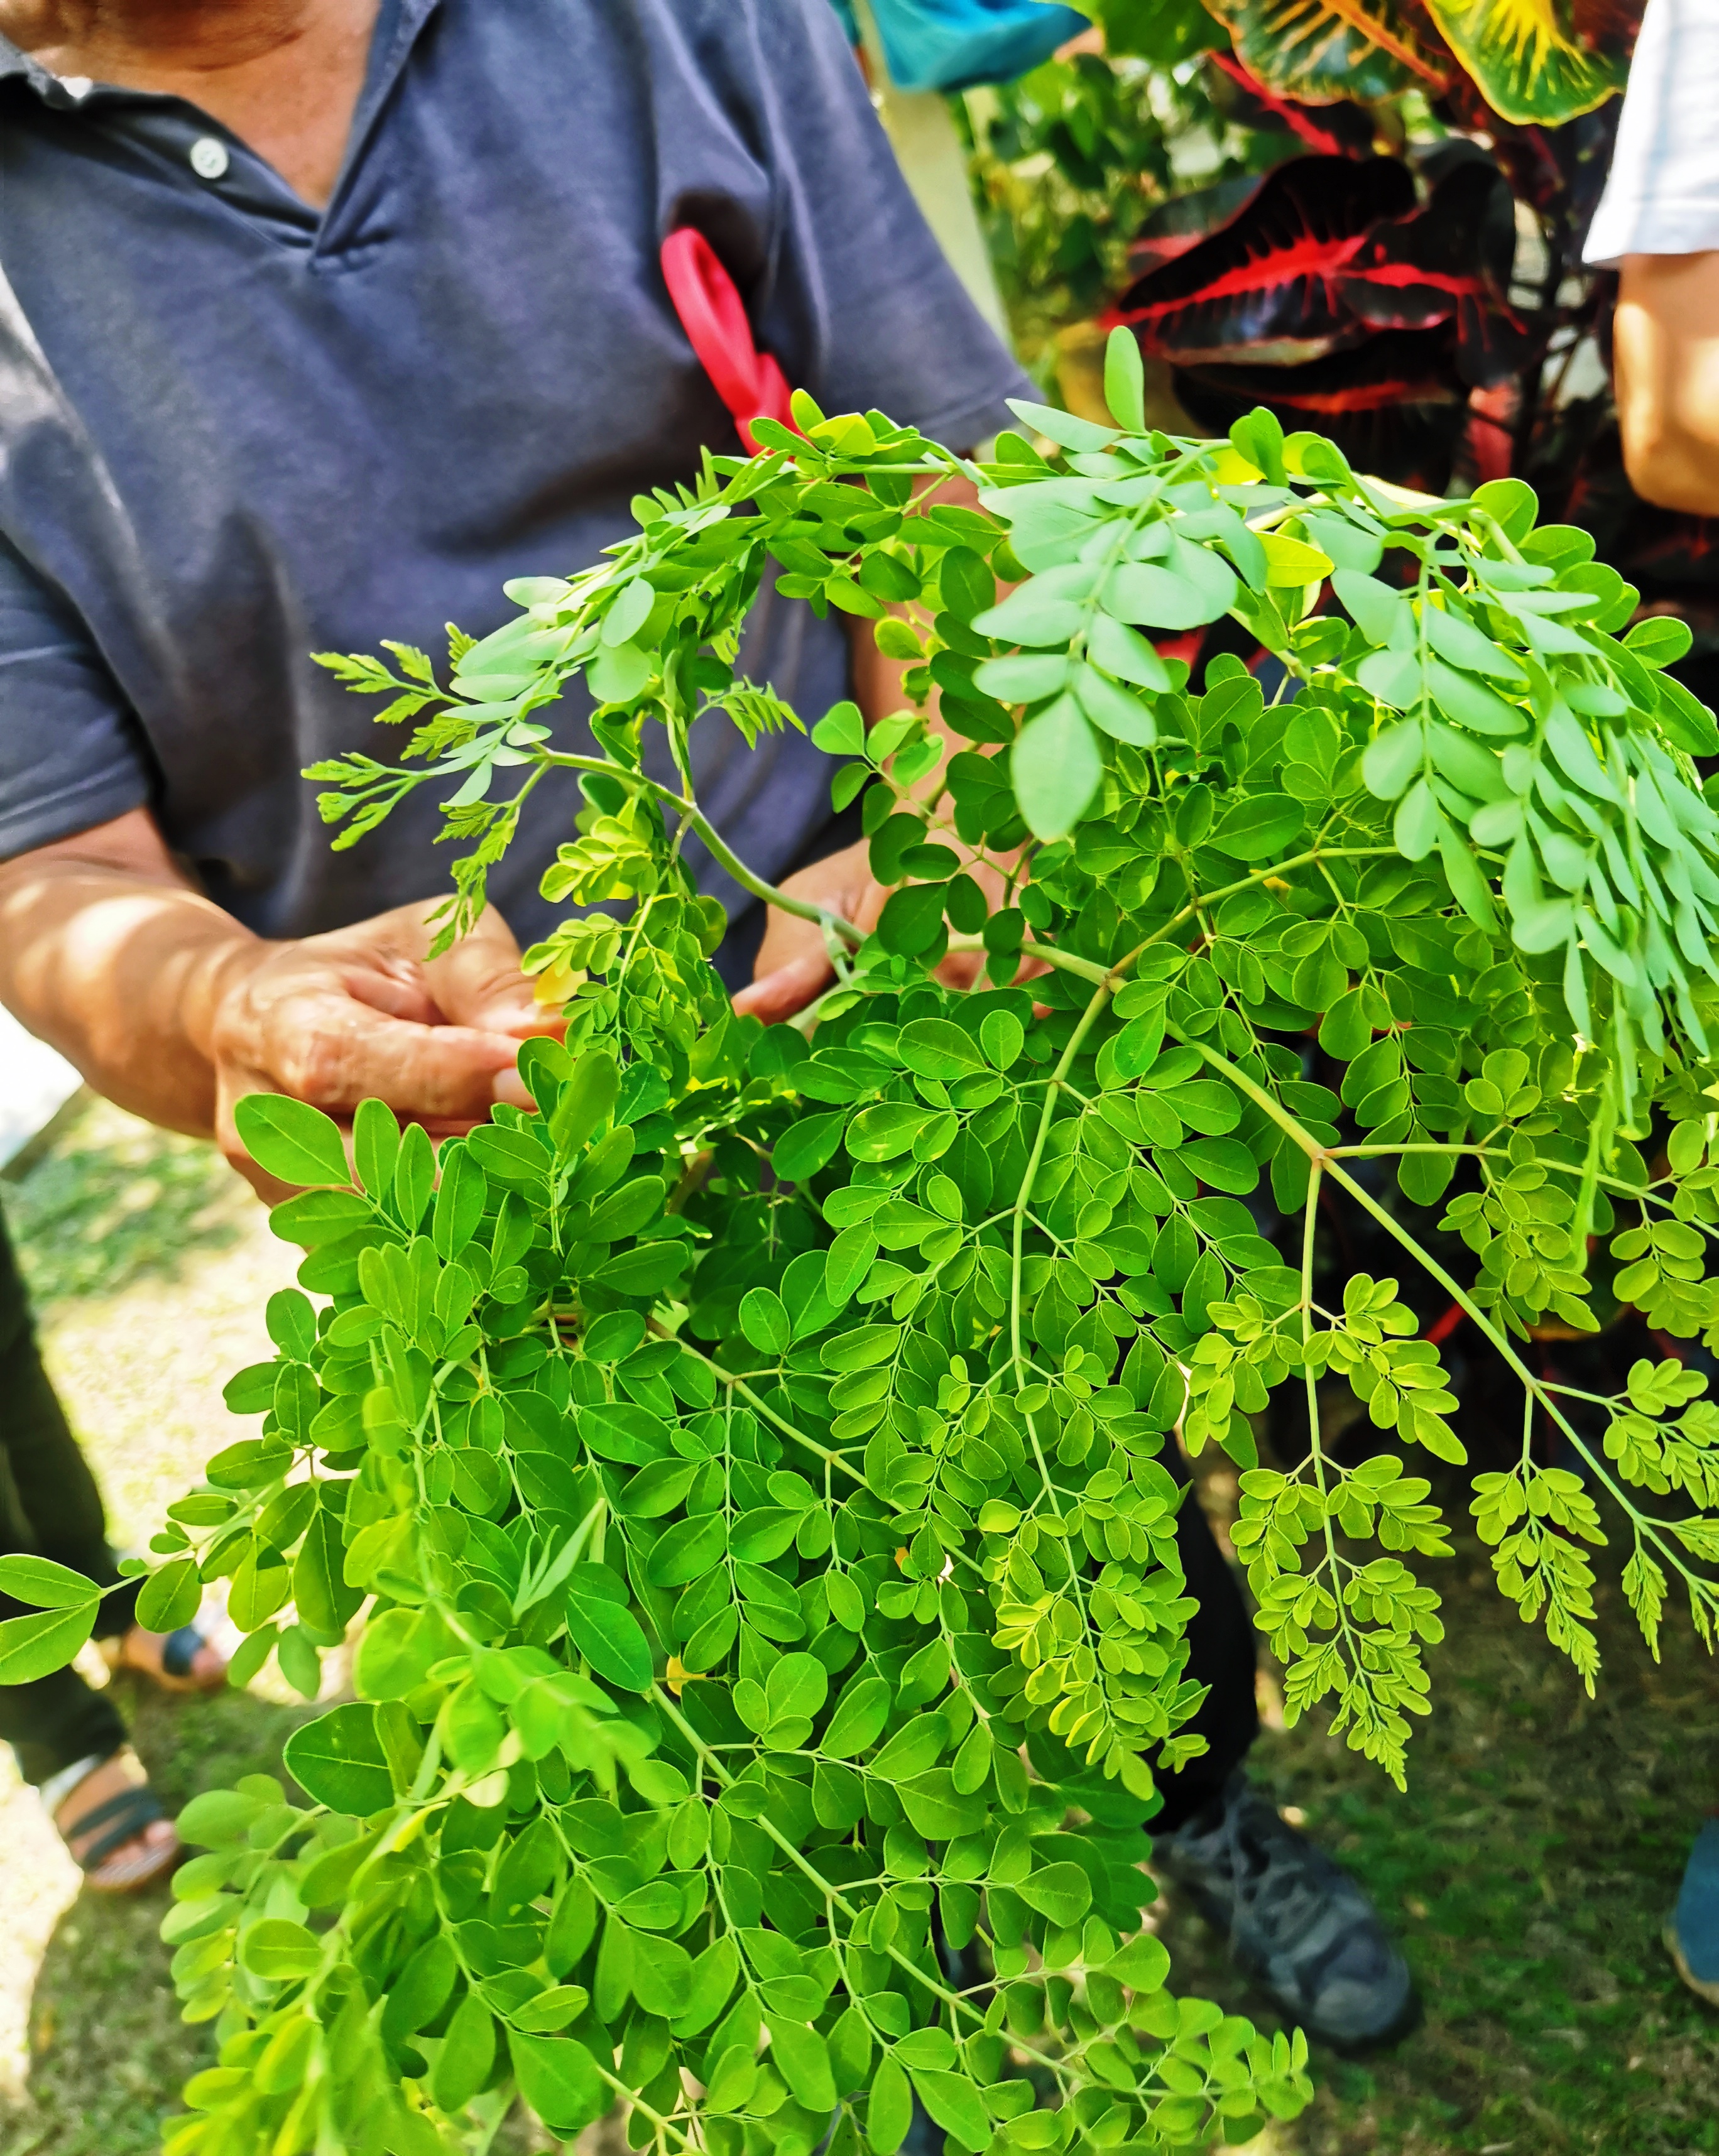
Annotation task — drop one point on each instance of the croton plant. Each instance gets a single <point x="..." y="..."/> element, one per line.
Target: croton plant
<point x="1367" y="218"/>
<point x="757" y="1468"/>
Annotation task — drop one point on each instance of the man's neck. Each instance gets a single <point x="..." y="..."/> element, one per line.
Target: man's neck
<point x="202" y="36"/>
<point x="283" y="75"/>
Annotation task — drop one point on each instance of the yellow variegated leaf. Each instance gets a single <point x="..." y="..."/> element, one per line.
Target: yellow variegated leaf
<point x="1291" y="562"/>
<point x="1540" y="62"/>
<point x="1322" y="50"/>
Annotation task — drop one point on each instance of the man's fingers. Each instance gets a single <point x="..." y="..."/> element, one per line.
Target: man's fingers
<point x="336" y="1051"/>
<point x="961" y="968"/>
<point x="395" y="989"/>
<point x="793" y="967"/>
<point x="786" y="988"/>
<point x="511" y="1088"/>
<point x="436" y="1074"/>
<point x="479" y="983"/>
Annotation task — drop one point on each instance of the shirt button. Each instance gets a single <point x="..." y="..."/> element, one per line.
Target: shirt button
<point x="208" y="158"/>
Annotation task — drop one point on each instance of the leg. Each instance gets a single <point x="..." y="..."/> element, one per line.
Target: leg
<point x="1220" y="1655"/>
<point x="63" y="1734"/>
<point x="48" y="1505"/>
<point x="51" y="1505"/>
<point x="1297" y="1923"/>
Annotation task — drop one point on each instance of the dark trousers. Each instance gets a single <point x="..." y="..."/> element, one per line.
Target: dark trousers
<point x="50" y="1506"/>
<point x="1221" y="1656"/>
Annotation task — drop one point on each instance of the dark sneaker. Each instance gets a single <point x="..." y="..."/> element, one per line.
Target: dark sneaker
<point x="1692" y="1935"/>
<point x="1297" y="1923"/>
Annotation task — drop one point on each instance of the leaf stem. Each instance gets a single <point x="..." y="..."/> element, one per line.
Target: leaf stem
<point x="1316" y="1453"/>
<point x="1499" y="1339"/>
<point x="1089" y="969"/>
<point x="720" y="852"/>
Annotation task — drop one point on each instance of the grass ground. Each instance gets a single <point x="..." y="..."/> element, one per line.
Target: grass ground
<point x="1528" y="1869"/>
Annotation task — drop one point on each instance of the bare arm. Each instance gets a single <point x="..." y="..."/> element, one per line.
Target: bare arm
<point x="793" y="965"/>
<point x="1666" y="339"/>
<point x="174" y="1009"/>
<point x="107" y="951"/>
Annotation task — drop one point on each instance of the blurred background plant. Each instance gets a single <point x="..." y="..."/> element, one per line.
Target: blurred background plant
<point x="1070" y="160"/>
<point x="1368" y="215"/>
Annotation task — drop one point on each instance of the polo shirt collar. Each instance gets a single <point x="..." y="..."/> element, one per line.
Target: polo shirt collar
<point x="27" y="68"/>
<point x="397" y="23"/>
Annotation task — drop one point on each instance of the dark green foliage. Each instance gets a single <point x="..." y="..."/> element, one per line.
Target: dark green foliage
<point x="754" y="1459"/>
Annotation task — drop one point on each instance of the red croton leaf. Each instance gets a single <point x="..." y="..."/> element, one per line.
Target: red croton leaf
<point x="1331" y="130"/>
<point x="1450" y="261"/>
<point x="1182" y="223"/>
<point x="1266" y="287"/>
<point x="1396" y="407"/>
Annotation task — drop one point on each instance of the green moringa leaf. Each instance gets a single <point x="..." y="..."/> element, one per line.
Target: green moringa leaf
<point x="1259" y="826"/>
<point x="750" y="1440"/>
<point x="1056" y="768"/>
<point x="1125" y="381"/>
<point x="859" y="1718"/>
<point x="1112" y="710"/>
<point x="558" y="2078"/>
<point x="1125" y="652"/>
<point x="42" y="1584"/>
<point x="278" y="1950"/>
<point x="339" y="1761"/>
<point x="290" y="1140"/>
<point x="170" y="1597"/>
<point x="606" y="1631"/>
<point x="33" y="1647"/>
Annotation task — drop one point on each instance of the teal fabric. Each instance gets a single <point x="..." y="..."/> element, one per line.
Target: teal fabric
<point x="951" y="44"/>
<point x="1697" y="1917"/>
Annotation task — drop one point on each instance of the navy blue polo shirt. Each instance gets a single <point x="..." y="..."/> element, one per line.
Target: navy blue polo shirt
<point x="235" y="430"/>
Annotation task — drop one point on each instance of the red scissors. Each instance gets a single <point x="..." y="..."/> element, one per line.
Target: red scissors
<point x="748" y="381"/>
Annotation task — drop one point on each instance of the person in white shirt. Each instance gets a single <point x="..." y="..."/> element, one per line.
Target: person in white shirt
<point x="1658" y="225"/>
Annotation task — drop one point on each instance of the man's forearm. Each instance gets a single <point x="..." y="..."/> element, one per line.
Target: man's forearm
<point x="174" y="1009"/>
<point x="879" y="682"/>
<point x="121" y="971"/>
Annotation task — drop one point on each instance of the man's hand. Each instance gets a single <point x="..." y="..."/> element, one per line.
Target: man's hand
<point x="361" y="1013"/>
<point x="172" y="1007"/>
<point x="793" y="964"/>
